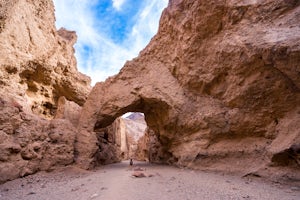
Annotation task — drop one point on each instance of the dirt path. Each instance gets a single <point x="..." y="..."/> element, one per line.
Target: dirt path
<point x="114" y="182"/>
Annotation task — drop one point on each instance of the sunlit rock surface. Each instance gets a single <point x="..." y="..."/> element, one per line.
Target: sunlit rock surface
<point x="37" y="61"/>
<point x="219" y="85"/>
<point x="37" y="68"/>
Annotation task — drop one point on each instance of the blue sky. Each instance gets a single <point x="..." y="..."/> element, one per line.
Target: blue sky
<point x="110" y="32"/>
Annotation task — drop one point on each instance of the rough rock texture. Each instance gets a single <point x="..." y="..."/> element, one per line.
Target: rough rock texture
<point x="222" y="89"/>
<point x="37" y="67"/>
<point x="149" y="148"/>
<point x="67" y="110"/>
<point x="37" y="62"/>
<point x="135" y="127"/>
<point x="142" y="142"/>
<point x="119" y="141"/>
<point x="109" y="140"/>
<point x="29" y="144"/>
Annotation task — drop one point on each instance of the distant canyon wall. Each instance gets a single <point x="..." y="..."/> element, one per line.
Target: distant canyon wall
<point x="121" y="140"/>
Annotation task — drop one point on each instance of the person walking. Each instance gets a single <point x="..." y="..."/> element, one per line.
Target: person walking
<point x="131" y="162"/>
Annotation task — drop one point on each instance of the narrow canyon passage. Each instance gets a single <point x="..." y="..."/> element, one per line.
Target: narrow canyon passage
<point x="115" y="181"/>
<point x="218" y="86"/>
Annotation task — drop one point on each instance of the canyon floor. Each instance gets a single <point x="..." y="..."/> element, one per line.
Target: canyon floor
<point x="113" y="182"/>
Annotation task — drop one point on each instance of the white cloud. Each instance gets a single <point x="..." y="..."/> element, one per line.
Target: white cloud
<point x="117" y="4"/>
<point x="104" y="57"/>
<point x="147" y="25"/>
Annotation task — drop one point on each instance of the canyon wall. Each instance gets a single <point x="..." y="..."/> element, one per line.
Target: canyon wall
<point x="222" y="89"/>
<point x="39" y="81"/>
<point x="219" y="85"/>
<point x="135" y="127"/>
<point x="122" y="140"/>
<point x="37" y="61"/>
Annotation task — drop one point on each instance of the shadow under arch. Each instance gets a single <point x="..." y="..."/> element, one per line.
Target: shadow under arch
<point x="155" y="110"/>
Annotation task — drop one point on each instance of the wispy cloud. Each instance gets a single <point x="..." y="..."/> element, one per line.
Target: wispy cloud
<point x="98" y="53"/>
<point x="117" y="4"/>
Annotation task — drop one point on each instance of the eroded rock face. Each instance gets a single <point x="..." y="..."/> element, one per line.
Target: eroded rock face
<point x="222" y="89"/>
<point x="37" y="68"/>
<point x="108" y="144"/>
<point x="29" y="144"/>
<point x="68" y="110"/>
<point x="149" y="148"/>
<point x="37" y="62"/>
<point x="119" y="141"/>
<point x="135" y="127"/>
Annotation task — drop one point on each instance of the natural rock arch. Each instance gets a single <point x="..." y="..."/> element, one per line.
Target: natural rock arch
<point x="119" y="95"/>
<point x="219" y="83"/>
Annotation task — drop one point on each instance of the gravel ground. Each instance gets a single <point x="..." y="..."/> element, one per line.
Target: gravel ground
<point x="113" y="182"/>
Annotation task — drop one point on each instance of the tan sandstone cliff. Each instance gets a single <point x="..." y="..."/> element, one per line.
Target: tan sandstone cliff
<point x="37" y="68"/>
<point x="120" y="140"/>
<point x="135" y="128"/>
<point x="222" y="89"/>
<point x="37" y="61"/>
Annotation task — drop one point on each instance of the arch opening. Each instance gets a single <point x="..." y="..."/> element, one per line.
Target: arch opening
<point x="99" y="140"/>
<point x="128" y="137"/>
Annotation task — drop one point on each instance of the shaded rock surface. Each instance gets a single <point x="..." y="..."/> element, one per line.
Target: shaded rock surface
<point x="119" y="141"/>
<point x="222" y="89"/>
<point x="149" y="148"/>
<point x="108" y="144"/>
<point x="68" y="110"/>
<point x="29" y="144"/>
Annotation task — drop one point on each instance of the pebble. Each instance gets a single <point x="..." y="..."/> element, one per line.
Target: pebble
<point x="30" y="193"/>
<point x="74" y="189"/>
<point x="246" y="197"/>
<point x="138" y="174"/>
<point x="94" y="195"/>
<point x="295" y="188"/>
<point x="139" y="169"/>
